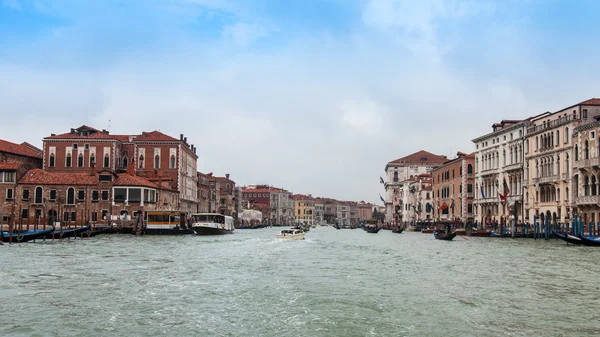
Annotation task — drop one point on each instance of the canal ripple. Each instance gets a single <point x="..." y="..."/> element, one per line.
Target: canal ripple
<point x="335" y="283"/>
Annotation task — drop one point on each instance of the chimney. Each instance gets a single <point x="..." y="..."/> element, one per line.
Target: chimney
<point x="181" y="136"/>
<point x="185" y="140"/>
<point x="52" y="134"/>
<point x="227" y="175"/>
<point x="72" y="130"/>
<point x="131" y="167"/>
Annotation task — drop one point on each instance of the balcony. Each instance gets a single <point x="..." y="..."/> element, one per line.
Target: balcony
<point x="488" y="172"/>
<point x="512" y="167"/>
<point x="546" y="180"/>
<point x="565" y="176"/>
<point x="587" y="163"/>
<point x="491" y="200"/>
<point x="552" y="124"/>
<point x="469" y="175"/>
<point x="588" y="200"/>
<point x="469" y="194"/>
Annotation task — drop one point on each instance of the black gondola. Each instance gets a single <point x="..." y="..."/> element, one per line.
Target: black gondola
<point x="398" y="230"/>
<point x="66" y="233"/>
<point x="372" y="230"/>
<point x="569" y="238"/>
<point x="441" y="234"/>
<point x="590" y="240"/>
<point x="25" y="236"/>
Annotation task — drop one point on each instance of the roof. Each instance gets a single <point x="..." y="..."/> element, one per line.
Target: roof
<point x="41" y="177"/>
<point x="9" y="166"/>
<point x="154" y="136"/>
<point x="24" y="149"/>
<point x="420" y="157"/>
<point x="301" y="197"/>
<point x="591" y="101"/>
<point x="260" y="190"/>
<point x="95" y="135"/>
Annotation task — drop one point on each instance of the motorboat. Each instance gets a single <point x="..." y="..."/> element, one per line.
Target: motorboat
<point x="291" y="234"/>
<point x="212" y="224"/>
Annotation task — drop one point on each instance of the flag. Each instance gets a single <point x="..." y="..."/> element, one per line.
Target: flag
<point x="380" y="197"/>
<point x="444" y="207"/>
<point x="452" y="205"/>
<point x="482" y="194"/>
<point x="506" y="189"/>
<point x="537" y="185"/>
<point x="381" y="180"/>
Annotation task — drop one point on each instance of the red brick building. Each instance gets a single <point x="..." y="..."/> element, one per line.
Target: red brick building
<point x="225" y="195"/>
<point x="453" y="188"/>
<point x="162" y="159"/>
<point x="15" y="161"/>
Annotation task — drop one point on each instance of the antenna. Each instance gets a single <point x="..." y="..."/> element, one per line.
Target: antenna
<point x="109" y="125"/>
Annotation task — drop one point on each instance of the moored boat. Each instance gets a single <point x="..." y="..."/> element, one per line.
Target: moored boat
<point x="291" y="234"/>
<point x="481" y="233"/>
<point x="398" y="230"/>
<point x="97" y="231"/>
<point x="25" y="236"/>
<point x="66" y="233"/>
<point x="212" y="224"/>
<point x="569" y="238"/>
<point x="166" y="222"/>
<point x="427" y="230"/>
<point x="590" y="240"/>
<point x="372" y="229"/>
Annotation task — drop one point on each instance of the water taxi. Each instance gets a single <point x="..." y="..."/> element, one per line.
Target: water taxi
<point x="212" y="224"/>
<point x="291" y="234"/>
<point x="166" y="222"/>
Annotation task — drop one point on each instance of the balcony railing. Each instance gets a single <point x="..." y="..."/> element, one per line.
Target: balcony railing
<point x="588" y="200"/>
<point x="546" y="179"/>
<point x="489" y="171"/>
<point x="469" y="175"/>
<point x="587" y="162"/>
<point x="552" y="124"/>
<point x="469" y="194"/>
<point x="515" y="166"/>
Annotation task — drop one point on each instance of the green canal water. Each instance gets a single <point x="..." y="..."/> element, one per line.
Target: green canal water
<point x="335" y="283"/>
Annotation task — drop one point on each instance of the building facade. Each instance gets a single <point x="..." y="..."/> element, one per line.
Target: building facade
<point x="453" y="189"/>
<point x="551" y="150"/>
<point x="364" y="211"/>
<point x="304" y="209"/>
<point x="499" y="173"/>
<point x="167" y="161"/>
<point x="399" y="171"/>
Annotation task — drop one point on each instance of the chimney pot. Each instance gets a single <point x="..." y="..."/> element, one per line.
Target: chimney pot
<point x="185" y="140"/>
<point x="72" y="130"/>
<point x="227" y="175"/>
<point x="181" y="136"/>
<point x="52" y="134"/>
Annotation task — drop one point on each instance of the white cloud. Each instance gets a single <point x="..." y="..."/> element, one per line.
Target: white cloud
<point x="364" y="115"/>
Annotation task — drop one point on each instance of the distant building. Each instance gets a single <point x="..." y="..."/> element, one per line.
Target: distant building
<point x="402" y="169"/>
<point x="364" y="211"/>
<point x="453" y="189"/>
<point x="304" y="209"/>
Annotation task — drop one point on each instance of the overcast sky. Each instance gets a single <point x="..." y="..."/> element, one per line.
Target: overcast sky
<point x="312" y="95"/>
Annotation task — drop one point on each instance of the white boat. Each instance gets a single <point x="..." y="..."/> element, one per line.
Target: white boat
<point x="291" y="234"/>
<point x="212" y="224"/>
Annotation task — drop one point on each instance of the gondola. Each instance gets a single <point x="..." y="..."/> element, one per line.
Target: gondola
<point x="590" y="240"/>
<point x="442" y="235"/>
<point x="568" y="238"/>
<point x="372" y="230"/>
<point x="66" y="233"/>
<point x="25" y="236"/>
<point x="398" y="230"/>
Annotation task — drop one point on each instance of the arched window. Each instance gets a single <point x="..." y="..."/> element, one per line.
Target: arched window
<point x="68" y="160"/>
<point x="557" y="138"/>
<point x="125" y="162"/>
<point x="395" y="176"/>
<point x="576" y="152"/>
<point x="38" y="195"/>
<point x="52" y="160"/>
<point x="157" y="161"/>
<point x="587" y="185"/>
<point x="172" y="162"/>
<point x="594" y="191"/>
<point x="566" y="135"/>
<point x="92" y="160"/>
<point x="106" y="160"/>
<point x="586" y="150"/>
<point x="70" y="196"/>
<point x="80" y="160"/>
<point x="141" y="161"/>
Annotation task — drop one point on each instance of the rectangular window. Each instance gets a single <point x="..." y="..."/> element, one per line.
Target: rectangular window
<point x="24" y="213"/>
<point x="104" y="214"/>
<point x="52" y="159"/>
<point x="9" y="194"/>
<point x="86" y="146"/>
<point x="74" y="146"/>
<point x="52" y="195"/>
<point x="25" y="194"/>
<point x="81" y="195"/>
<point x="95" y="195"/>
<point x="94" y="216"/>
<point x="105" y="177"/>
<point x="104" y="195"/>
<point x="65" y="216"/>
<point x="9" y="177"/>
<point x="592" y="135"/>
<point x="120" y="194"/>
<point x="73" y="216"/>
<point x="149" y="196"/>
<point x="135" y="195"/>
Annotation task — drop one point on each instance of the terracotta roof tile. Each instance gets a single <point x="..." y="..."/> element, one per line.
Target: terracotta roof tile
<point x="154" y="136"/>
<point x="421" y="157"/>
<point x="41" y="177"/>
<point x="9" y="166"/>
<point x="19" y="149"/>
<point x="591" y="101"/>
<point x="125" y="179"/>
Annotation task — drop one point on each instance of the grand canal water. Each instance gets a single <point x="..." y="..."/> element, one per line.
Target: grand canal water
<point x="335" y="283"/>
